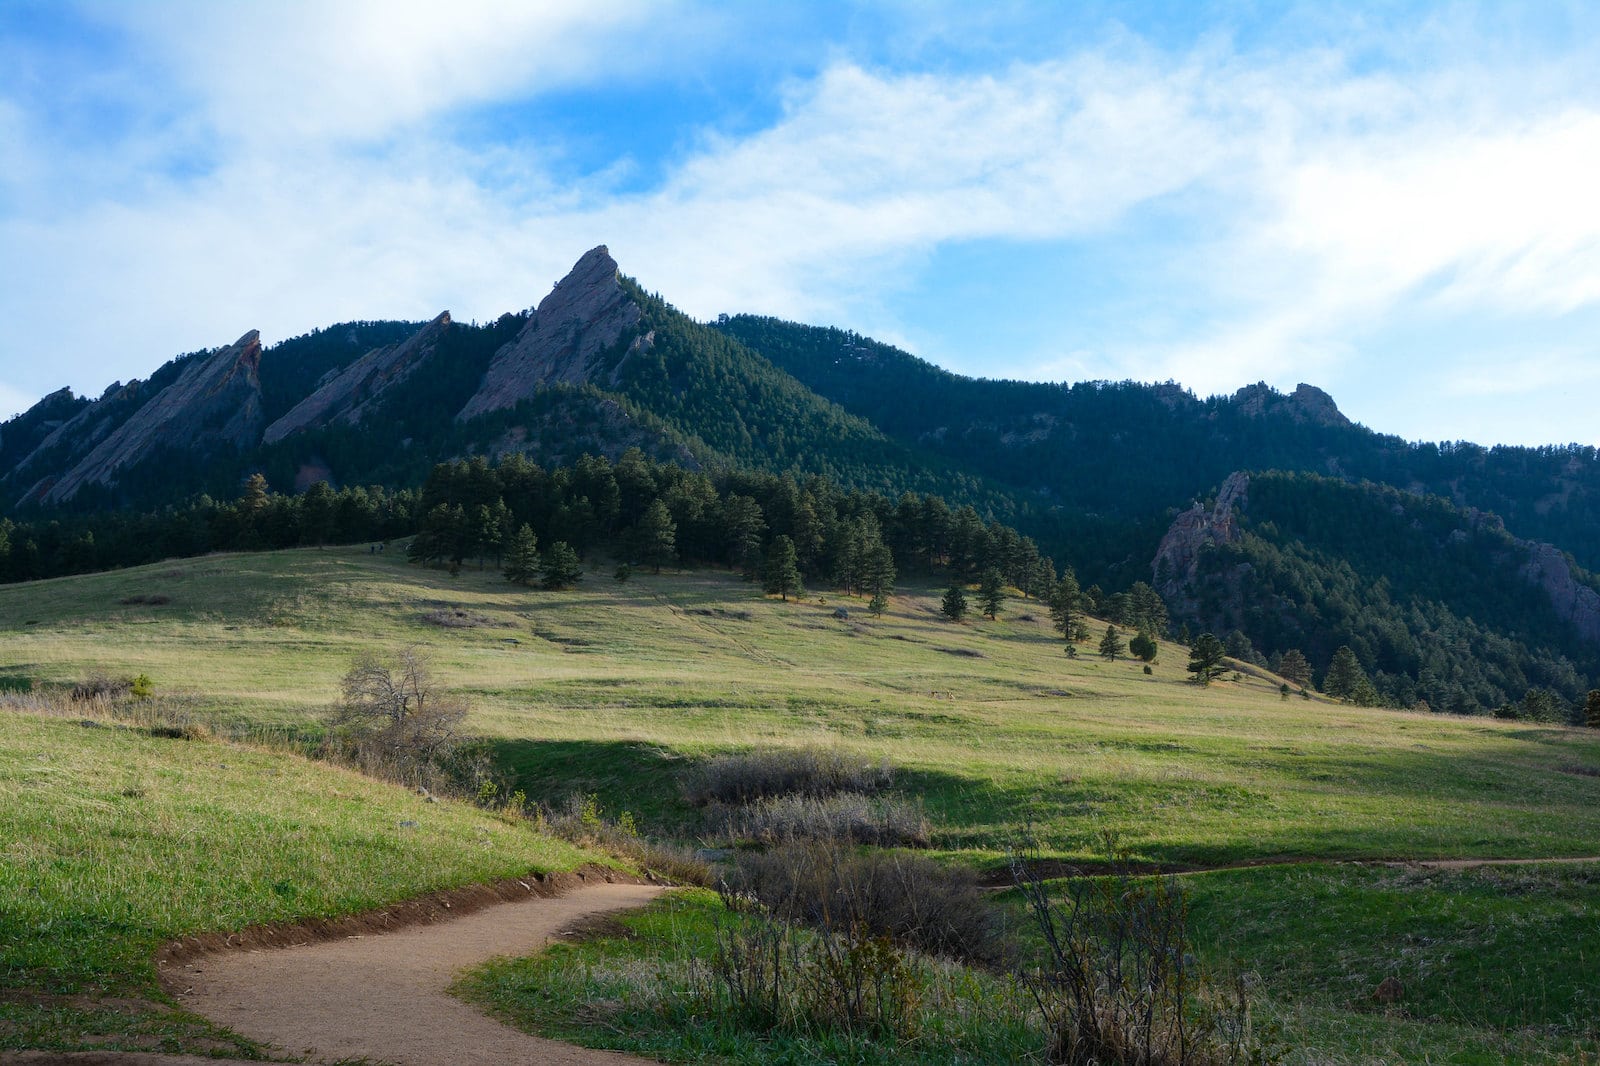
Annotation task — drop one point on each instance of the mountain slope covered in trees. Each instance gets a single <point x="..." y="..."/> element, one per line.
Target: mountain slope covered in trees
<point x="1409" y="554"/>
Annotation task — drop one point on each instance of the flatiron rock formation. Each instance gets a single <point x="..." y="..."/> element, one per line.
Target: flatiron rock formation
<point x="216" y="400"/>
<point x="585" y="317"/>
<point x="360" y="386"/>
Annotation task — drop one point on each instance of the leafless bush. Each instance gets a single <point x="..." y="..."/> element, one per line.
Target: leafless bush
<point x="777" y="976"/>
<point x="582" y="820"/>
<point x="844" y="817"/>
<point x="455" y="618"/>
<point x="393" y="715"/>
<point x="101" y="686"/>
<point x="1119" y="984"/>
<point x="937" y="909"/>
<point x="753" y="776"/>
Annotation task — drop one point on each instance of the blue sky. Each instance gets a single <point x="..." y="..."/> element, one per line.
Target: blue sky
<point x="1396" y="202"/>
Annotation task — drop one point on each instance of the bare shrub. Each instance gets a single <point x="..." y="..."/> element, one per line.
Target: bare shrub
<point x="774" y="975"/>
<point x="745" y="778"/>
<point x="582" y="820"/>
<point x="101" y="686"/>
<point x="1119" y="984"/>
<point x="844" y="817"/>
<point x="937" y="909"/>
<point x="455" y="618"/>
<point x="394" y="718"/>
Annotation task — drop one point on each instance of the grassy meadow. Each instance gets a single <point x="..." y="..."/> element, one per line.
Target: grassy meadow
<point x="114" y="841"/>
<point x="616" y="689"/>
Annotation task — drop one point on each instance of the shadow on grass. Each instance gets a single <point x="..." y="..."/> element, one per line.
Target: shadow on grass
<point x="623" y="775"/>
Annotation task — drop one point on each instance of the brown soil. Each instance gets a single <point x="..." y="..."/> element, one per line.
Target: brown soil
<point x="372" y="988"/>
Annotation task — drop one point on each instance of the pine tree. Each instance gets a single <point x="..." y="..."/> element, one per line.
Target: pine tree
<point x="1294" y="668"/>
<point x="522" y="557"/>
<point x="561" y="567"/>
<point x="877" y="604"/>
<point x="1144" y="646"/>
<point x="954" y="604"/>
<point x="657" y="536"/>
<point x="1111" y="644"/>
<point x="992" y="592"/>
<point x="781" y="571"/>
<point x="1206" y="658"/>
<point x="1064" y="605"/>
<point x="1345" y="676"/>
<point x="1591" y="709"/>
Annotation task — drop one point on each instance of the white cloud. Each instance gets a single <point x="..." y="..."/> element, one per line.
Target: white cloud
<point x="360" y="68"/>
<point x="1289" y="205"/>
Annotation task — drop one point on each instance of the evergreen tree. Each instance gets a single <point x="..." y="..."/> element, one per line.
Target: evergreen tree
<point x="1345" y="676"/>
<point x="744" y="526"/>
<point x="879" y="575"/>
<point x="954" y="604"/>
<point x="1064" y="605"/>
<point x="657" y="536"/>
<point x="1206" y="658"/>
<point x="991" y="592"/>
<point x="1111" y="644"/>
<point x="877" y="604"/>
<point x="781" y="571"/>
<point x="1591" y="709"/>
<point x="522" y="557"/>
<point x="561" y="567"/>
<point x="1144" y="646"/>
<point x="1293" y="667"/>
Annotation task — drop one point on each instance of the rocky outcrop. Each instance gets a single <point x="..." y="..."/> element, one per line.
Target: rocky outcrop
<point x="215" y="401"/>
<point x="353" y="392"/>
<point x="586" y="316"/>
<point x="1575" y="602"/>
<point x="1195" y="529"/>
<point x="1306" y="404"/>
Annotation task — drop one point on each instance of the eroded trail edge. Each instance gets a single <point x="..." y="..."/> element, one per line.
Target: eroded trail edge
<point x="374" y="987"/>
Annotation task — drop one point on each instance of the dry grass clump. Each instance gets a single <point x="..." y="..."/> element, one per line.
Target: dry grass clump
<point x="939" y="910"/>
<point x="455" y="618"/>
<point x="844" y="817"/>
<point x="759" y="775"/>
<point x="584" y="822"/>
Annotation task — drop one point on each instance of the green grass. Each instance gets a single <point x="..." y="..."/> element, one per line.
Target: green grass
<point x="1497" y="963"/>
<point x="612" y="687"/>
<point x="633" y="989"/>
<point x="616" y="688"/>
<point x="113" y="842"/>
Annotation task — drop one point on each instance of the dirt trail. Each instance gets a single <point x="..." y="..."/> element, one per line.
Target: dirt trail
<point x="382" y="997"/>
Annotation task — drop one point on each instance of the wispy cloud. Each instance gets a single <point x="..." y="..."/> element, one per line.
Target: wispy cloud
<point x="1281" y="204"/>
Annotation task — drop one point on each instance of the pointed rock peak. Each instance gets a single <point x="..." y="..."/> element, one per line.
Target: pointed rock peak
<point x="1317" y="406"/>
<point x="578" y="334"/>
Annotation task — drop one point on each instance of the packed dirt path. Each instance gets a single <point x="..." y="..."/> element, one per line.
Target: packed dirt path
<point x="382" y="997"/>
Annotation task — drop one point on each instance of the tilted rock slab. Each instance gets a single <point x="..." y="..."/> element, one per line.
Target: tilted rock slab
<point x="359" y="387"/>
<point x="216" y="400"/>
<point x="585" y="316"/>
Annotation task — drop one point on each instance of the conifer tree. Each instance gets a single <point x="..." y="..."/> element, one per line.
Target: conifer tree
<point x="991" y="592"/>
<point x="561" y="567"/>
<point x="781" y="571"/>
<point x="954" y="604"/>
<point x="1144" y="646"/>
<point x="1111" y="644"/>
<point x="1345" y="676"/>
<point x="657" y="536"/>
<point x="1293" y="667"/>
<point x="1205" y="658"/>
<point x="877" y="604"/>
<point x="522" y="557"/>
<point x="1591" y="709"/>
<point x="1064" y="605"/>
